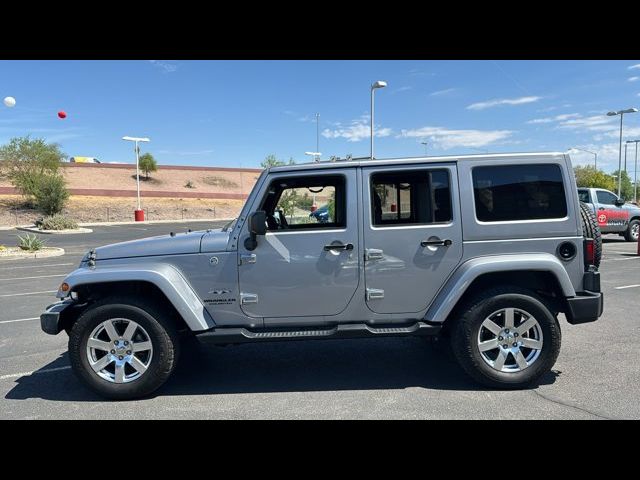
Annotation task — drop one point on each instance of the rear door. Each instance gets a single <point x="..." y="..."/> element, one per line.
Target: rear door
<point x="412" y="235"/>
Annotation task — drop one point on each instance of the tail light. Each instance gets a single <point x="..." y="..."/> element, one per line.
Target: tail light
<point x="589" y="253"/>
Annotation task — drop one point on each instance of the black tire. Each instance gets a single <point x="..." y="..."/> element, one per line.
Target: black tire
<point x="628" y="235"/>
<point x="590" y="229"/>
<point x="162" y="334"/>
<point x="464" y="335"/>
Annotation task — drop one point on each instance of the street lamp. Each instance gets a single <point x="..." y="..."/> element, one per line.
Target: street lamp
<point x="595" y="155"/>
<point x="635" y="173"/>
<point x="139" y="214"/>
<point x="425" y="147"/>
<point x="613" y="114"/>
<point x="317" y="132"/>
<point x="374" y="87"/>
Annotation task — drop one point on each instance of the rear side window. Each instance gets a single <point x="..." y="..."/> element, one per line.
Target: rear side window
<point x="519" y="192"/>
<point x="583" y="196"/>
<point x="410" y="197"/>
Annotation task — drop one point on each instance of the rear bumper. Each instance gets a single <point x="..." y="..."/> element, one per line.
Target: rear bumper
<point x="584" y="307"/>
<point x="50" y="320"/>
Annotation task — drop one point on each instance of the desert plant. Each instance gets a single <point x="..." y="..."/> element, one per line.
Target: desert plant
<point x="57" y="222"/>
<point x="219" y="182"/>
<point x="189" y="184"/>
<point x="30" y="242"/>
<point x="148" y="164"/>
<point x="2" y="248"/>
<point x="50" y="193"/>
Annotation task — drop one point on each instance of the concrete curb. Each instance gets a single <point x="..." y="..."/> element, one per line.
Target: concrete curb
<point x="152" y="222"/>
<point x="34" y="229"/>
<point x="46" y="252"/>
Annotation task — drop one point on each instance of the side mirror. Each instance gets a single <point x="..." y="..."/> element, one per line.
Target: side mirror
<point x="619" y="202"/>
<point x="257" y="226"/>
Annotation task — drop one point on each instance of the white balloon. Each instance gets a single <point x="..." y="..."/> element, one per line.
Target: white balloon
<point x="10" y="102"/>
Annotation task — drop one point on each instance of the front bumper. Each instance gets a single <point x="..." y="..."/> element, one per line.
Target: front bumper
<point x="51" y="321"/>
<point x="585" y="307"/>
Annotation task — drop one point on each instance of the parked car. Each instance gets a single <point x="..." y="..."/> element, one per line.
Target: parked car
<point x="612" y="213"/>
<point x="483" y="251"/>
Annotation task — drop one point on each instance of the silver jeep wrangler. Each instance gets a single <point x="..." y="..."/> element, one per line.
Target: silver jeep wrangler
<point x="483" y="251"/>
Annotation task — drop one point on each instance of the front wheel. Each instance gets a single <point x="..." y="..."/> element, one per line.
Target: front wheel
<point x="123" y="348"/>
<point x="506" y="338"/>
<point x="633" y="231"/>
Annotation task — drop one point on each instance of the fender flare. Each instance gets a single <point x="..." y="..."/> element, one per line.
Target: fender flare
<point x="465" y="274"/>
<point x="166" y="277"/>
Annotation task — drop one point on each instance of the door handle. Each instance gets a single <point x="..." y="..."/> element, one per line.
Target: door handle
<point x="339" y="246"/>
<point x="601" y="208"/>
<point x="435" y="243"/>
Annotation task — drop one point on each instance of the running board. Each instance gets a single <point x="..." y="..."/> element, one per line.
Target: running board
<point x="352" y="330"/>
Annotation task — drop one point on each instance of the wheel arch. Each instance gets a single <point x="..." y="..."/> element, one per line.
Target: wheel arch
<point x="542" y="273"/>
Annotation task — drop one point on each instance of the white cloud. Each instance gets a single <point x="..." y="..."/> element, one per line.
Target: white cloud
<point x="445" y="138"/>
<point x="166" y="67"/>
<point x="633" y="79"/>
<point x="402" y="89"/>
<point x="557" y="118"/>
<point x="634" y="67"/>
<point x="503" y="101"/>
<point x="437" y="93"/>
<point x="358" y="130"/>
<point x="594" y="123"/>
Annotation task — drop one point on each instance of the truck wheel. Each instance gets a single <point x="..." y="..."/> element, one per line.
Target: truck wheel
<point x="631" y="234"/>
<point x="506" y="338"/>
<point x="590" y="229"/>
<point x="123" y="348"/>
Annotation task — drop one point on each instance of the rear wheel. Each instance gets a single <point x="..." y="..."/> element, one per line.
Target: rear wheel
<point x="633" y="231"/>
<point x="123" y="348"/>
<point x="506" y="338"/>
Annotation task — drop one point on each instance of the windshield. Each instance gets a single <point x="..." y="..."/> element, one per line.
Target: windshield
<point x="229" y="225"/>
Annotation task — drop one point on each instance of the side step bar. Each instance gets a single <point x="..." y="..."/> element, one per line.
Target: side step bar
<point x="352" y="330"/>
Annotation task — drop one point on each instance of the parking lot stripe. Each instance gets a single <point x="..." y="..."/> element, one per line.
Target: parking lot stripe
<point x="29" y="278"/>
<point x="19" y="320"/>
<point x="627" y="286"/>
<point x="28" y="293"/>
<point x="40" y="266"/>
<point x="23" y="374"/>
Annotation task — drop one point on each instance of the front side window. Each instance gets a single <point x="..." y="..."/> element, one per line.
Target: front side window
<point x="606" y="198"/>
<point x="519" y="192"/>
<point x="297" y="203"/>
<point x="410" y="198"/>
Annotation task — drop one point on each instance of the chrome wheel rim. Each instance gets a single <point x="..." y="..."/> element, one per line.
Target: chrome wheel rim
<point x="510" y="340"/>
<point x="635" y="229"/>
<point x="119" y="350"/>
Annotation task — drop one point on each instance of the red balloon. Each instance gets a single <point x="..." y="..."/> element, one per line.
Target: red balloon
<point x="62" y="114"/>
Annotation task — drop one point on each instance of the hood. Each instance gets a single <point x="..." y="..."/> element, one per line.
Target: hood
<point x="180" y="243"/>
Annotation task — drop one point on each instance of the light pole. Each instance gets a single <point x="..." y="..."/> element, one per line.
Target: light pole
<point x="317" y="132"/>
<point x="635" y="172"/>
<point x="425" y="147"/>
<point x="139" y="214"/>
<point x="595" y="155"/>
<point x="374" y="87"/>
<point x="613" y="114"/>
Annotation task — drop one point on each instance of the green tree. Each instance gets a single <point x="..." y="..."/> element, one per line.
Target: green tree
<point x="272" y="161"/>
<point x="51" y="193"/>
<point x="626" y="190"/>
<point x="148" y="164"/>
<point x="24" y="161"/>
<point x="589" y="177"/>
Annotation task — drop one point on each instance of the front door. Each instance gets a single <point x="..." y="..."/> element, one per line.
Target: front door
<point x="308" y="263"/>
<point x="412" y="235"/>
<point x="611" y="217"/>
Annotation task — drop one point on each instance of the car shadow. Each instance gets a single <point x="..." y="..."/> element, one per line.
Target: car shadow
<point x="333" y="365"/>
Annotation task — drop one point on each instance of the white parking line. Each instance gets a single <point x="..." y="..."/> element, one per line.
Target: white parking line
<point x="23" y="374"/>
<point x="29" y="278"/>
<point x="28" y="293"/>
<point x="40" y="266"/>
<point x="627" y="286"/>
<point x="19" y="320"/>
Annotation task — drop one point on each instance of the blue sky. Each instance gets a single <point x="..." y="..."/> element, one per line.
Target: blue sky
<point x="234" y="113"/>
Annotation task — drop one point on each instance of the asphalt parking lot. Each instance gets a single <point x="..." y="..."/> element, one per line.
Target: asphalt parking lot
<point x="596" y="376"/>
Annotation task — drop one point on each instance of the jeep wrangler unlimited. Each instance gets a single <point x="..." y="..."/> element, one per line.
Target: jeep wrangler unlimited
<point x="484" y="251"/>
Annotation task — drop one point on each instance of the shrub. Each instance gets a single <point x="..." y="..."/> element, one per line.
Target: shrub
<point x="51" y="194"/>
<point x="219" y="182"/>
<point x="57" y="222"/>
<point x="189" y="184"/>
<point x="30" y="242"/>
